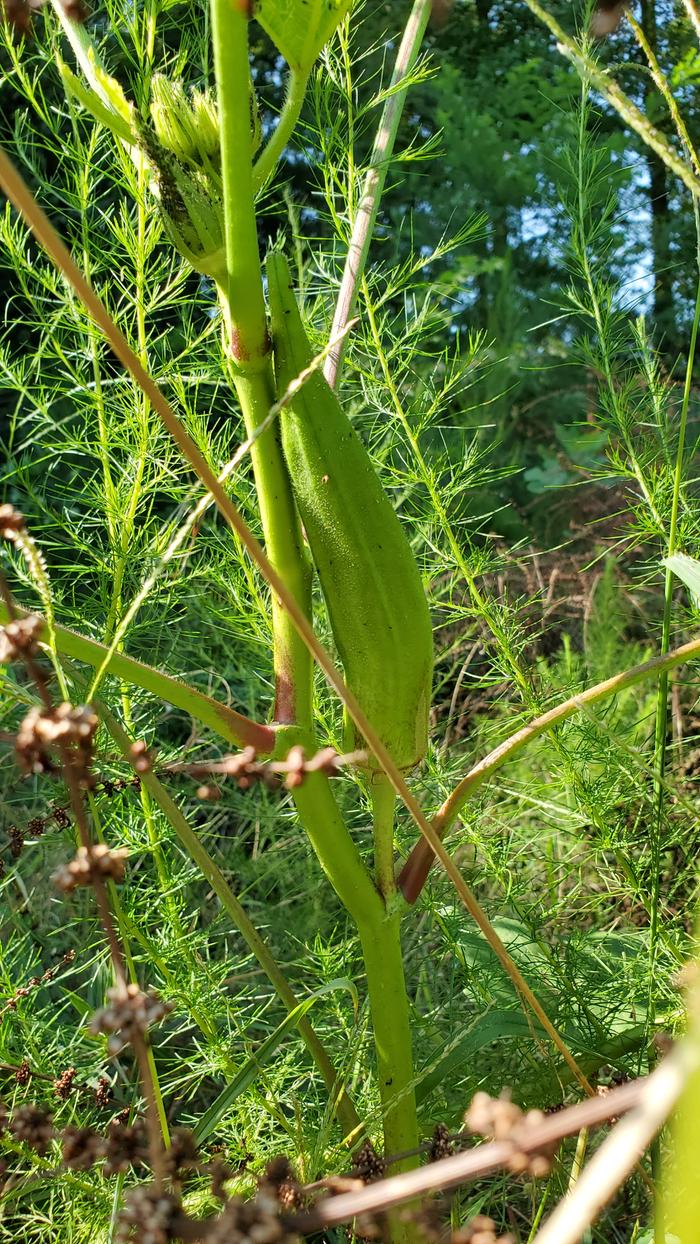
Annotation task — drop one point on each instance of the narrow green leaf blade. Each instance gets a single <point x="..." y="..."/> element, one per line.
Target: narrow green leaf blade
<point x="250" y="1069"/>
<point x="688" y="571"/>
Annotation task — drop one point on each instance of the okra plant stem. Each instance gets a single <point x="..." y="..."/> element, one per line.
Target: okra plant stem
<point x="283" y="542"/>
<point x="380" y="939"/>
<point x="386" y="985"/>
<point x="243" y="301"/>
<point x="383" y="805"/>
<point x="247" y="346"/>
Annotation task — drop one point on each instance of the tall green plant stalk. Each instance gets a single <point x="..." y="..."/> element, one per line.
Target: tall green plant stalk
<point x="247" y="349"/>
<point x="379" y="930"/>
<point x="243" y="306"/>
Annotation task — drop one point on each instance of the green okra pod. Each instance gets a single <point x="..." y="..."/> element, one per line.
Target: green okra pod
<point x="370" y="580"/>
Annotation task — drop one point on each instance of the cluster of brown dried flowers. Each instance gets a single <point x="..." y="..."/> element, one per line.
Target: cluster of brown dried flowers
<point x="498" y="1118"/>
<point x="35" y="982"/>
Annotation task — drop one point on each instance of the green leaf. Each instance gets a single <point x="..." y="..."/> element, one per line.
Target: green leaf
<point x="113" y="120"/>
<point x="81" y="1006"/>
<point x="496" y="1025"/>
<point x="250" y="1069"/>
<point x="300" y="29"/>
<point x="688" y="571"/>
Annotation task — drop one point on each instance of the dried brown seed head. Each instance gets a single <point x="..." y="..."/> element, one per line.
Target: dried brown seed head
<point x="103" y="1092"/>
<point x="12" y="523"/>
<point x="20" y="639"/>
<point x="140" y="757"/>
<point x="149" y="1216"/>
<point x="81" y="1148"/>
<point x="23" y="1073"/>
<point x="68" y="728"/>
<point x="183" y="1153"/>
<point x="63" y="1086"/>
<point x="89" y="864"/>
<point x="129" y="1012"/>
<point x="124" y="1146"/>
<point x="440" y="1146"/>
<point x="33" y="1126"/>
<point x="368" y="1167"/>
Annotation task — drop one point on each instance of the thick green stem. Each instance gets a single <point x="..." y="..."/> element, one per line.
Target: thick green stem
<point x="329" y="836"/>
<point x="386" y="984"/>
<point x="380" y="938"/>
<point x="246" y="343"/>
<point x="226" y="722"/>
<point x="283" y="542"/>
<point x="383" y="805"/>
<point x="244" y="306"/>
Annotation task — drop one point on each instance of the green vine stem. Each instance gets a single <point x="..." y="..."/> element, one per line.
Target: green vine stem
<point x="347" y="1115"/>
<point x="380" y="939"/>
<point x="283" y="541"/>
<point x="329" y="836"/>
<point x="267" y="161"/>
<point x="226" y="722"/>
<point x="243" y="298"/>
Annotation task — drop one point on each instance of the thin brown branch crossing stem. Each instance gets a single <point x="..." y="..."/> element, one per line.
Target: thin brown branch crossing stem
<point x="473" y="1164"/>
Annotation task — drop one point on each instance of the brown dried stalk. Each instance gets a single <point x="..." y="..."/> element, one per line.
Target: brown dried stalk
<point x="75" y="752"/>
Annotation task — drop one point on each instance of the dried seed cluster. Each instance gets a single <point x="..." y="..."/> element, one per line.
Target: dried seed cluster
<point x="59" y="816"/>
<point x="69" y="728"/>
<point x="121" y="1148"/>
<point x="498" y="1118"/>
<point x="246" y="770"/>
<point x="369" y="1167"/>
<point x="256" y="1221"/>
<point x="441" y="1145"/>
<point x="35" y="981"/>
<point x="130" y="1012"/>
<point x="12" y="524"/>
<point x="33" y="1126"/>
<point x="281" y="1181"/>
<point x="20" y="639"/>
<point x="149" y="1216"/>
<point x="480" y="1230"/>
<point x="90" y="864"/>
<point x="64" y="1085"/>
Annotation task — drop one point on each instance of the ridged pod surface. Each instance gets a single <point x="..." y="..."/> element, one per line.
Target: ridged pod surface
<point x="371" y="584"/>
